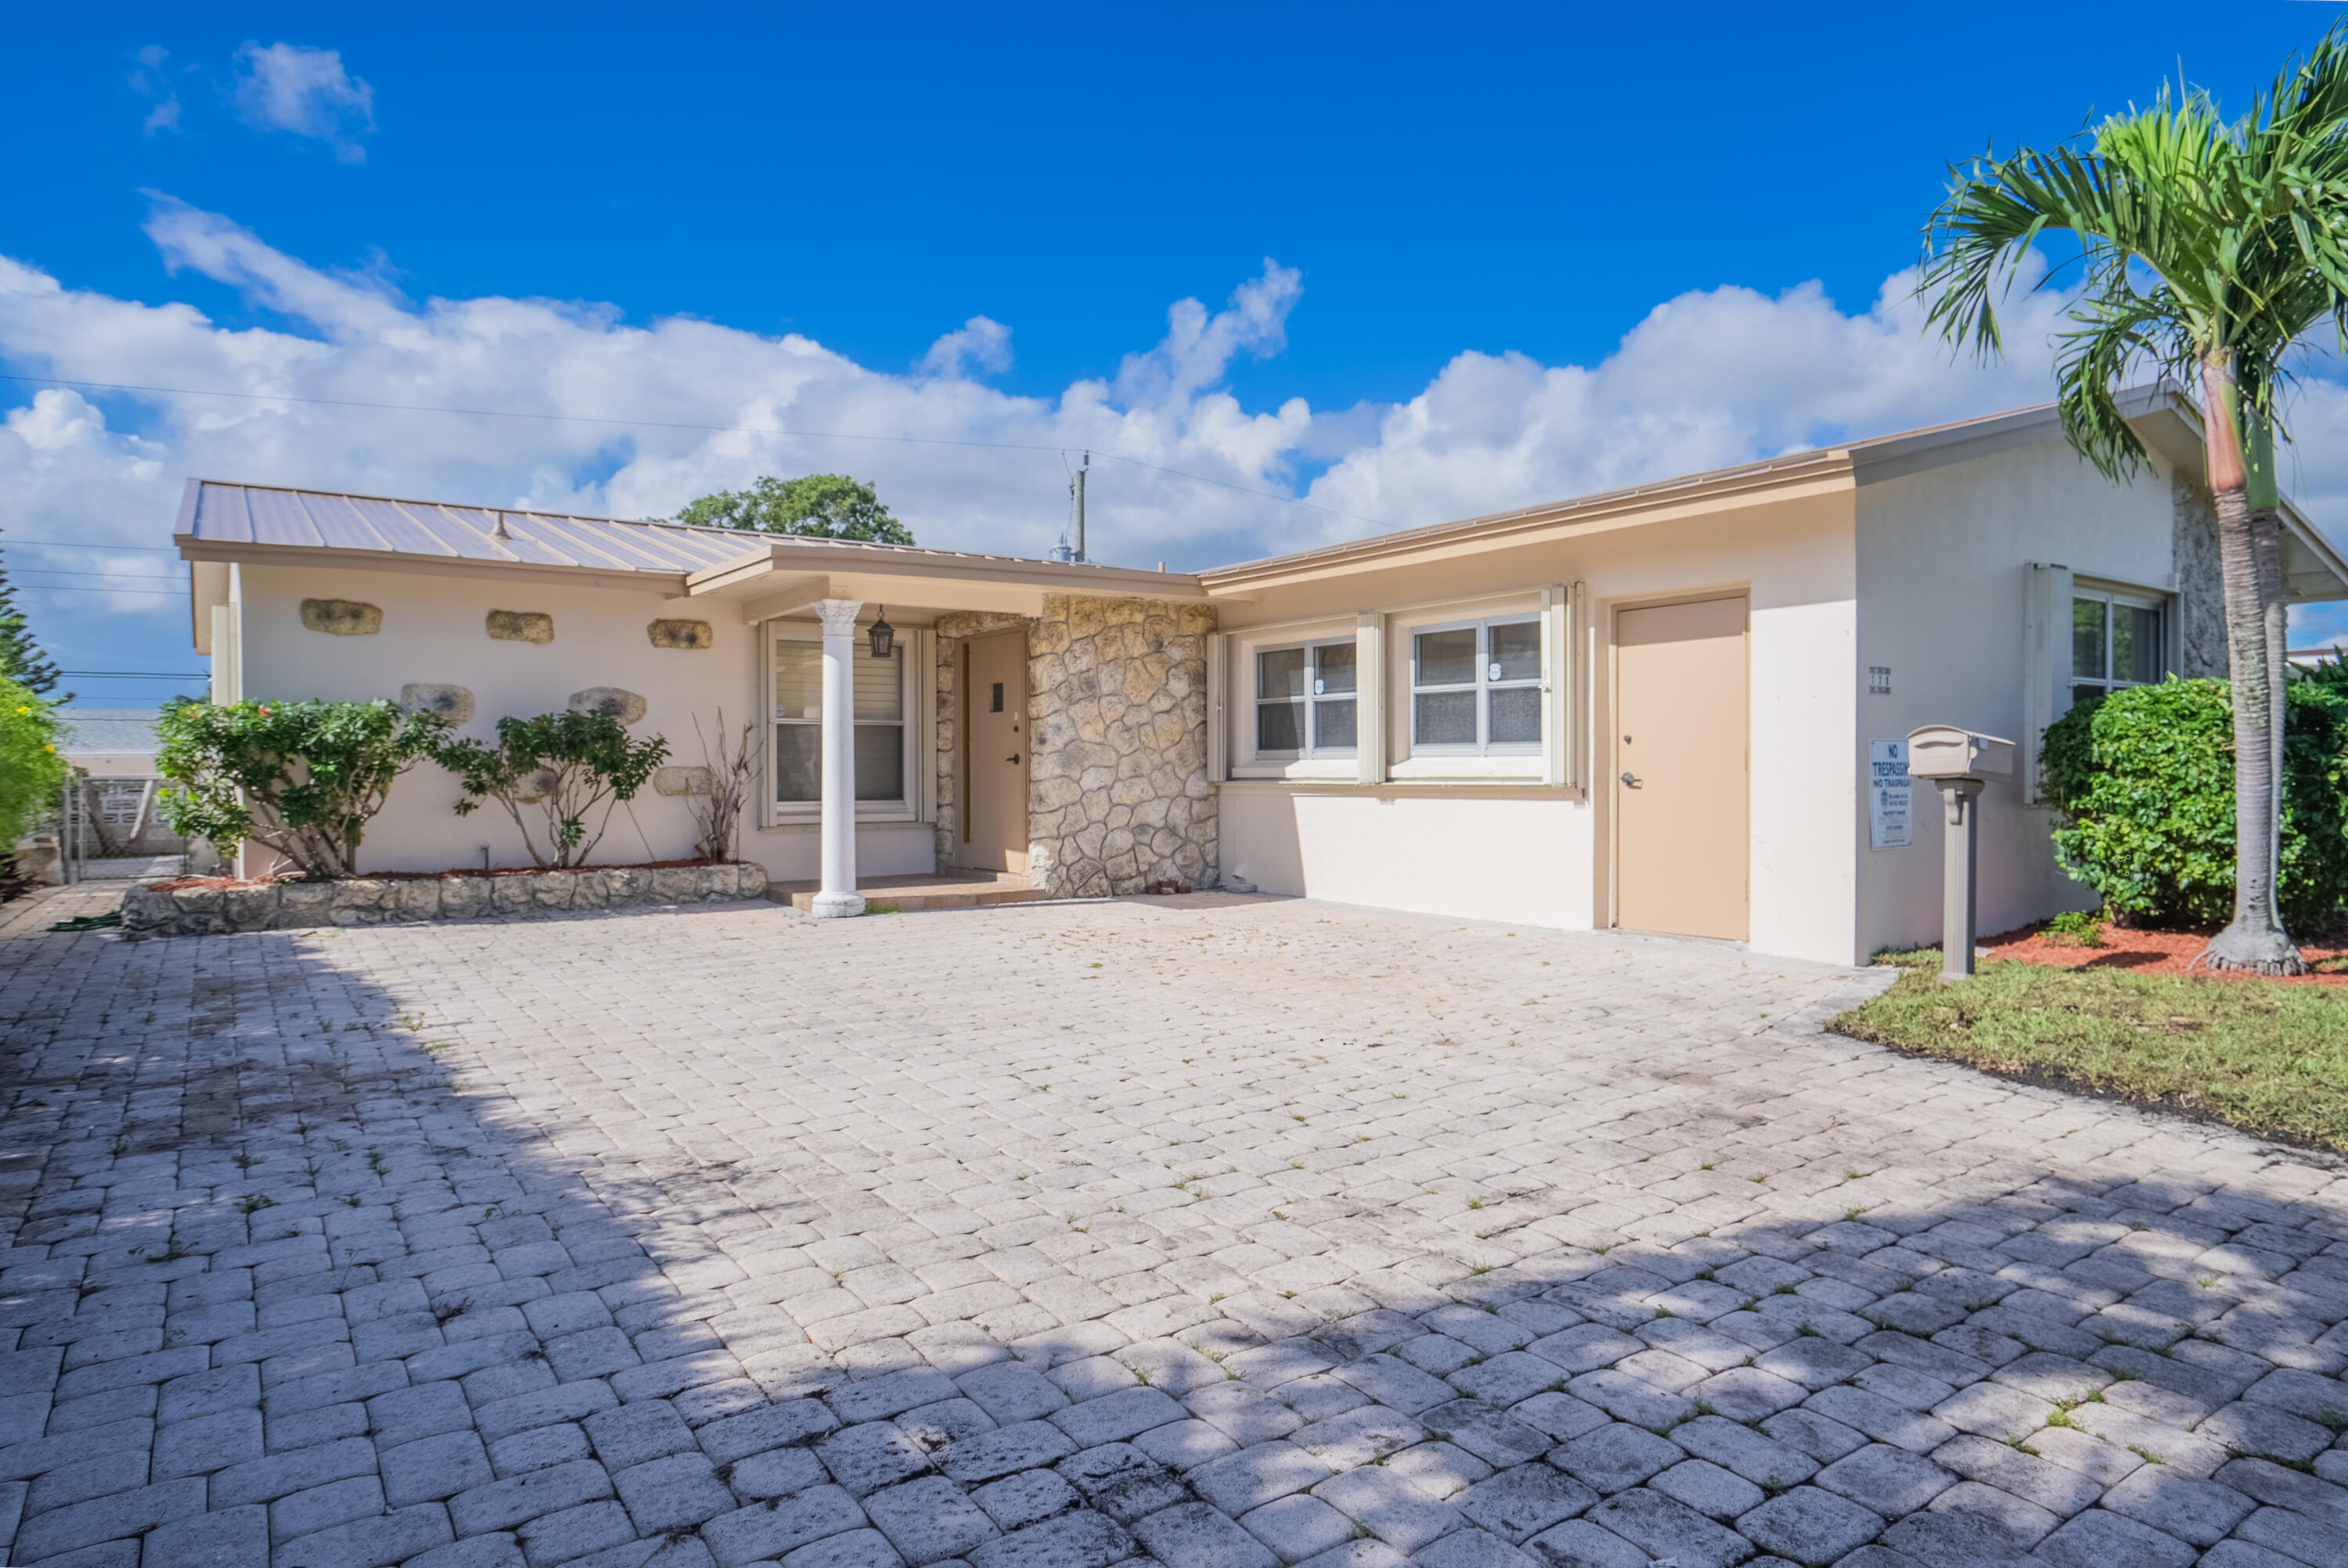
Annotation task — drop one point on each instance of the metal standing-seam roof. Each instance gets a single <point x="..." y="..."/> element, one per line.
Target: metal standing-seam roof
<point x="214" y="513"/>
<point x="107" y="730"/>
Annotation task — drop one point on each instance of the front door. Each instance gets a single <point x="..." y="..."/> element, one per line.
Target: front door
<point x="1682" y="836"/>
<point x="994" y="760"/>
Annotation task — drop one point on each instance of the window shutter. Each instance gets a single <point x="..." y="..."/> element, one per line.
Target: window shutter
<point x="2046" y="625"/>
<point x="1557" y="685"/>
<point x="1370" y="681"/>
<point x="1219" y="719"/>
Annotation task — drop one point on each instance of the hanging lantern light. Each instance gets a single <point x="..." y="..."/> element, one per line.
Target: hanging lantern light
<point x="884" y="635"/>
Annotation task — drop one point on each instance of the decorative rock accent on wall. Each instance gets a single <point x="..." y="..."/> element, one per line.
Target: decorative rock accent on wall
<point x="380" y="901"/>
<point x="342" y="616"/>
<point x="2201" y="585"/>
<point x="692" y="635"/>
<point x="520" y="626"/>
<point x="622" y="704"/>
<point x="1118" y="793"/>
<point x="453" y="703"/>
<point x="690" y="779"/>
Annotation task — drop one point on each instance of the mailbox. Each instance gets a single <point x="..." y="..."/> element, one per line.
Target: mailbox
<point x="1944" y="752"/>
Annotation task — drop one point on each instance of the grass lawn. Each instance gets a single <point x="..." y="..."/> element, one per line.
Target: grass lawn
<point x="2270" y="1060"/>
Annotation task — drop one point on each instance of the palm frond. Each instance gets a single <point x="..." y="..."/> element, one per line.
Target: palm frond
<point x="2241" y="229"/>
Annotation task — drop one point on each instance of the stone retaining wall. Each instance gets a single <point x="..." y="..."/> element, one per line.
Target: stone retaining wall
<point x="380" y="901"/>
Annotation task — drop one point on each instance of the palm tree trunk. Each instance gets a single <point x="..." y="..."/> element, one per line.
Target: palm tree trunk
<point x="2250" y="563"/>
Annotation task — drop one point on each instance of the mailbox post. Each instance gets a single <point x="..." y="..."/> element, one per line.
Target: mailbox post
<point x="1960" y="763"/>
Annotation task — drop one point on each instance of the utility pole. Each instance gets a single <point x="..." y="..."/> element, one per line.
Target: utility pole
<point x="1076" y="489"/>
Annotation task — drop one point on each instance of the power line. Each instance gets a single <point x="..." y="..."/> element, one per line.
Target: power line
<point x="59" y="587"/>
<point x="676" y="425"/>
<point x="79" y="545"/>
<point x="119" y="576"/>
<point x="135" y="674"/>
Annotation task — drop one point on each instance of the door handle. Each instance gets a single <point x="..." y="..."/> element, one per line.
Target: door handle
<point x="1012" y="758"/>
<point x="1632" y="779"/>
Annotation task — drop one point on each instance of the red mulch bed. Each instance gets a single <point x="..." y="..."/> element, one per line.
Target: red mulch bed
<point x="177" y="882"/>
<point x="2146" y="952"/>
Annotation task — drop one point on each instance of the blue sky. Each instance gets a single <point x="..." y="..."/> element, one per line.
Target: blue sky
<point x="1446" y="260"/>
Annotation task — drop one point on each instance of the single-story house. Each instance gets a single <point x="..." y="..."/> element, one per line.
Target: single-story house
<point x="1661" y="709"/>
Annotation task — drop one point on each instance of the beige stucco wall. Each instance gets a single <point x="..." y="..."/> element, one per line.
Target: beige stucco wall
<point x="1519" y="851"/>
<point x="1943" y="570"/>
<point x="113" y="764"/>
<point x="433" y="632"/>
<point x="1485" y="853"/>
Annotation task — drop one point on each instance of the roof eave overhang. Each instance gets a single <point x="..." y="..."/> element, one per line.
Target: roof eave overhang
<point x="932" y="579"/>
<point x="247" y="553"/>
<point x="1809" y="476"/>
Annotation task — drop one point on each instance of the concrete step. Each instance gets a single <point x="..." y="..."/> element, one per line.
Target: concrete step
<point x="908" y="895"/>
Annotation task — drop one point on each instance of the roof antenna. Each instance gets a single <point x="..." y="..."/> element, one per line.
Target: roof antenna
<point x="500" y="531"/>
<point x="1076" y="489"/>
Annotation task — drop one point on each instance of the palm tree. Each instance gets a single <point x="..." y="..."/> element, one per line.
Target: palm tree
<point x="2207" y="250"/>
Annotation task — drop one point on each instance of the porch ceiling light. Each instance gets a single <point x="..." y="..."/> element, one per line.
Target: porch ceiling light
<point x="884" y="635"/>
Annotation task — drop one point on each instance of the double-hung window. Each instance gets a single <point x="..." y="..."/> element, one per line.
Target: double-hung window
<point x="880" y="686"/>
<point x="1476" y="689"/>
<point x="1305" y="701"/>
<point x="2116" y="640"/>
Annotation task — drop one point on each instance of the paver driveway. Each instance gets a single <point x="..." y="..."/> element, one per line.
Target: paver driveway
<point x="1230" y="1231"/>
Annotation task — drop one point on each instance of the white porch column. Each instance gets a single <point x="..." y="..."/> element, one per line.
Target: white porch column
<point x="838" y="896"/>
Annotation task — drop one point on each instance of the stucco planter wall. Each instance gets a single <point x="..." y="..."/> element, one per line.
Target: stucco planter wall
<point x="380" y="901"/>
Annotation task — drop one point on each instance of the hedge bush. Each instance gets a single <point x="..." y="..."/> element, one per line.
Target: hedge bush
<point x="32" y="774"/>
<point x="303" y="779"/>
<point x="564" y="764"/>
<point x="2145" y="780"/>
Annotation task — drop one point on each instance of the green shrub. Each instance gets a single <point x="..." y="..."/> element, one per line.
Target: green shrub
<point x="2145" y="780"/>
<point x="565" y="764"/>
<point x="32" y="774"/>
<point x="2075" y="928"/>
<point x="302" y="778"/>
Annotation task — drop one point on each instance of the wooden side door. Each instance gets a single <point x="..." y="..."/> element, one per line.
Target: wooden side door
<point x="1681" y="792"/>
<point x="994" y="763"/>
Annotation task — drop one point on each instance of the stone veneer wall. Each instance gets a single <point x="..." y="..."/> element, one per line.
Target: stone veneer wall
<point x="1118" y="793"/>
<point x="2201" y="586"/>
<point x="148" y="911"/>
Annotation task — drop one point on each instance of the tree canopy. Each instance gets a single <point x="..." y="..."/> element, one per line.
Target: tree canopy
<point x="21" y="659"/>
<point x="816" y="505"/>
<point x="2205" y="245"/>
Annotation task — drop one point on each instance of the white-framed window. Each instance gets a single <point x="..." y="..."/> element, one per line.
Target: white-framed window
<point x="1476" y="688"/>
<point x="885" y="738"/>
<point x="1306" y="701"/>
<point x="2116" y="640"/>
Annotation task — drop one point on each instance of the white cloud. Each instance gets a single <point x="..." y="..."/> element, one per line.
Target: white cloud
<point x="978" y="341"/>
<point x="1708" y="378"/>
<point x="149" y="81"/>
<point x="293" y="88"/>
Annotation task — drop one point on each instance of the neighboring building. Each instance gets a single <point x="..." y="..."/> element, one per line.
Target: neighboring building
<point x="109" y="742"/>
<point x="114" y="750"/>
<point x="1652" y="709"/>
